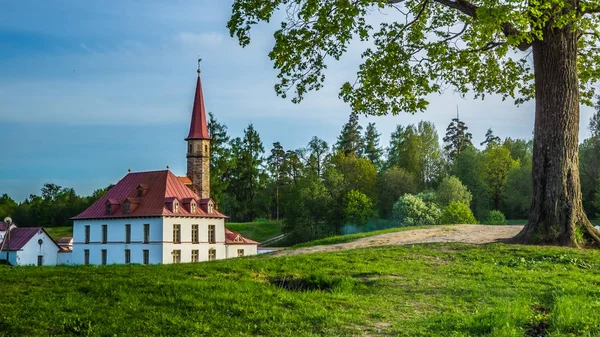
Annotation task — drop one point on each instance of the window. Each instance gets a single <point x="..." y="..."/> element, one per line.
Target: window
<point x="146" y="256"/>
<point x="86" y="257"/>
<point x="104" y="257"/>
<point x="40" y="260"/>
<point x="146" y="233"/>
<point x="193" y="207"/>
<point x="127" y="256"/>
<point x="205" y="148"/>
<point x="211" y="234"/>
<point x="108" y="208"/>
<point x="212" y="254"/>
<point x="127" y="233"/>
<point x="87" y="234"/>
<point x="126" y="207"/>
<point x="140" y="191"/>
<point x="176" y="233"/>
<point x="176" y="256"/>
<point x="190" y="148"/>
<point x="104" y="233"/>
<point x="195" y="255"/>
<point x="175" y="207"/>
<point x="210" y="207"/>
<point x="240" y="252"/>
<point x="195" y="238"/>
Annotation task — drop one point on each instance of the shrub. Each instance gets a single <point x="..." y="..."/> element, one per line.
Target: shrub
<point x="428" y="196"/>
<point x="458" y="213"/>
<point x="359" y="208"/>
<point x="452" y="189"/>
<point x="410" y="210"/>
<point x="495" y="218"/>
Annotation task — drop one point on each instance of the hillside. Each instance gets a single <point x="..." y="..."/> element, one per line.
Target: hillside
<point x="414" y="290"/>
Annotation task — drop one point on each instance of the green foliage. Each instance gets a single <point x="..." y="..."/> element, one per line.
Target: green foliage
<point x="589" y="167"/>
<point x="457" y="138"/>
<point x="495" y="218"/>
<point x="447" y="290"/>
<point x="219" y="158"/>
<point x="450" y="190"/>
<point x="490" y="138"/>
<point x="350" y="141"/>
<point x="457" y="213"/>
<point x="496" y="164"/>
<point x="468" y="167"/>
<point x="59" y="232"/>
<point x="371" y="148"/>
<point x="518" y="192"/>
<point x="359" y="208"/>
<point x="410" y="210"/>
<point x="392" y="184"/>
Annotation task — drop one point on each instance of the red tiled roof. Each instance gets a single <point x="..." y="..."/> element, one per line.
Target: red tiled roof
<point x="230" y="238"/>
<point x="198" y="128"/>
<point x="18" y="237"/>
<point x="185" y="180"/>
<point x="161" y="185"/>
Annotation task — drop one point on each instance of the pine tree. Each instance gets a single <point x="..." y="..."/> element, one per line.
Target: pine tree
<point x="220" y="158"/>
<point x="317" y="153"/>
<point x="350" y="140"/>
<point x="371" y="149"/>
<point x="457" y="138"/>
<point x="490" y="138"/>
<point x="397" y="139"/>
<point x="276" y="162"/>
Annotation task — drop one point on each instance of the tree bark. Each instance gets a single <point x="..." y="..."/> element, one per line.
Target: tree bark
<point x="557" y="215"/>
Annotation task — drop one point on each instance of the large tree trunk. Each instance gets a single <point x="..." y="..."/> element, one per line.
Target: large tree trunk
<point x="557" y="215"/>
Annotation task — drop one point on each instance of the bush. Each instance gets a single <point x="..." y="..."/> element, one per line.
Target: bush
<point x="359" y="208"/>
<point x="458" y="213"/>
<point x="495" y="218"/>
<point x="410" y="210"/>
<point x="452" y="189"/>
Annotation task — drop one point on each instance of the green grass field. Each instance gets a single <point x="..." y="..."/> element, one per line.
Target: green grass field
<point x="417" y="290"/>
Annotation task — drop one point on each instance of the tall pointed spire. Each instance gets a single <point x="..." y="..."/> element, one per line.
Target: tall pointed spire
<point x="198" y="127"/>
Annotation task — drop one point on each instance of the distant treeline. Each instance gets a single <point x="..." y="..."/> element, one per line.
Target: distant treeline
<point x="320" y="188"/>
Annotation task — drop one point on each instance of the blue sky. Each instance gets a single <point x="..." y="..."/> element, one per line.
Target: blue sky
<point x="90" y="89"/>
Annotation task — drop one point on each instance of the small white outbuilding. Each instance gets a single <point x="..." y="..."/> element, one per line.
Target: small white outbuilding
<point x="22" y="246"/>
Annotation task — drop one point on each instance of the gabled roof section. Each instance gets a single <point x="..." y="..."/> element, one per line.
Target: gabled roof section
<point x="162" y="185"/>
<point x="232" y="238"/>
<point x="198" y="127"/>
<point x="20" y="236"/>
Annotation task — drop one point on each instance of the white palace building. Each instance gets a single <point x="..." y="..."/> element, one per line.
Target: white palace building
<point x="158" y="218"/>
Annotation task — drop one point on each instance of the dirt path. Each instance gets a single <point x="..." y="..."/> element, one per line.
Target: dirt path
<point x="475" y="234"/>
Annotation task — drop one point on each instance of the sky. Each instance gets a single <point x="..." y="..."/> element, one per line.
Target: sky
<point x="89" y="90"/>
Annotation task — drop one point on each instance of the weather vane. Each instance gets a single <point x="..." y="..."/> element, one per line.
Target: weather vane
<point x="199" y="60"/>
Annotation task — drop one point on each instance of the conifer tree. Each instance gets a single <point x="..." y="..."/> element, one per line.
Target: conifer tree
<point x="371" y="149"/>
<point x="350" y="140"/>
<point x="457" y="138"/>
<point x="490" y="138"/>
<point x="219" y="158"/>
<point x="276" y="162"/>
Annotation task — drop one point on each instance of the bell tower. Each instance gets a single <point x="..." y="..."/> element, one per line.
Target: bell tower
<point x="198" y="144"/>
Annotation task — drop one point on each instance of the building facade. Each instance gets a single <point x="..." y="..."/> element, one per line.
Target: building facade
<point x="158" y="218"/>
<point x="30" y="246"/>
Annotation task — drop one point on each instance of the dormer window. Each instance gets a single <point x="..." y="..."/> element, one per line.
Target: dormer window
<point x="193" y="207"/>
<point x="140" y="192"/>
<point x="108" y="208"/>
<point x="127" y="207"/>
<point x="210" y="207"/>
<point x="175" y="207"/>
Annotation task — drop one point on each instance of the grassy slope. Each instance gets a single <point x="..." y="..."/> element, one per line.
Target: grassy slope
<point x="58" y="232"/>
<point x="420" y="290"/>
<point x="257" y="231"/>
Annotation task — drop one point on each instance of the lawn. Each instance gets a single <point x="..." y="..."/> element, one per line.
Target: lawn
<point x="58" y="232"/>
<point x="257" y="231"/>
<point x="416" y="290"/>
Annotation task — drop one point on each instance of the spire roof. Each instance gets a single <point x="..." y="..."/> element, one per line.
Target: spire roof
<point x="198" y="128"/>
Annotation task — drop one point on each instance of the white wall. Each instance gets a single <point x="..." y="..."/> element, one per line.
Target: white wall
<point x="28" y="255"/>
<point x="186" y="245"/>
<point x="232" y="250"/>
<point x="65" y="258"/>
<point x="161" y="244"/>
<point x="116" y="246"/>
